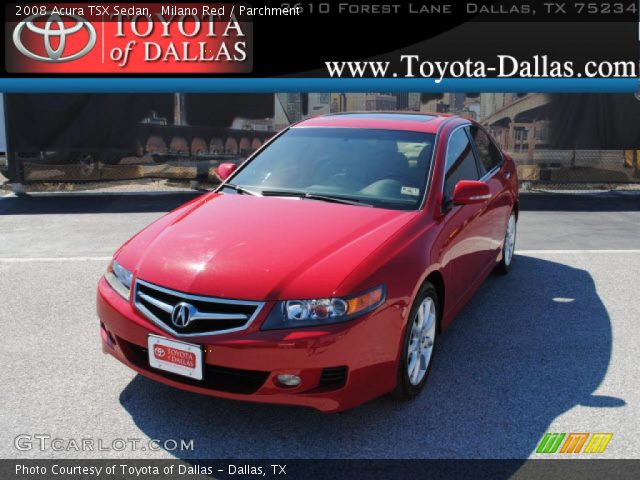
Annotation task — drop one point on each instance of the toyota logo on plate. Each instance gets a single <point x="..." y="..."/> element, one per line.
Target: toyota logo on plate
<point x="181" y="315"/>
<point x="49" y="31"/>
<point x="159" y="351"/>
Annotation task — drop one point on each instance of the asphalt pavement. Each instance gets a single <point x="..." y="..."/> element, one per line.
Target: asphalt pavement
<point x="552" y="347"/>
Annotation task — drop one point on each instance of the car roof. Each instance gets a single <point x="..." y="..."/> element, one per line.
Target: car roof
<point x="412" y="121"/>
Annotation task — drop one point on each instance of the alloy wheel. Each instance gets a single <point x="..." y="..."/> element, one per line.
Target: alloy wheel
<point x="423" y="332"/>
<point x="510" y="240"/>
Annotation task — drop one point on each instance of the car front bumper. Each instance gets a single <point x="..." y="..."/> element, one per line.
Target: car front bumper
<point x="340" y="366"/>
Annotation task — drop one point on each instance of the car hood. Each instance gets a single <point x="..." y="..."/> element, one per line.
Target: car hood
<point x="259" y="248"/>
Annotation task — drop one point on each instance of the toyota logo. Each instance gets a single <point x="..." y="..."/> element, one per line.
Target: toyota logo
<point x="54" y="55"/>
<point x="182" y="314"/>
<point x="159" y="352"/>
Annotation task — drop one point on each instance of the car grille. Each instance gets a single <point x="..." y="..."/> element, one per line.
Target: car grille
<point x="214" y="377"/>
<point x="206" y="315"/>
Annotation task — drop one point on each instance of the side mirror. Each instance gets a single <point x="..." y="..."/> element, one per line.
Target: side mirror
<point x="224" y="170"/>
<point x="468" y="192"/>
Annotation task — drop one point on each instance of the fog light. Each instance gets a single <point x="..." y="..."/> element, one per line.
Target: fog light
<point x="288" y="380"/>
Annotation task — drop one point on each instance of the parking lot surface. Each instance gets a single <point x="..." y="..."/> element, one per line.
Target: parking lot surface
<point x="552" y="347"/>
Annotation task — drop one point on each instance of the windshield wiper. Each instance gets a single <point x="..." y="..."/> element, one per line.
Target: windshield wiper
<point x="240" y="189"/>
<point x="314" y="196"/>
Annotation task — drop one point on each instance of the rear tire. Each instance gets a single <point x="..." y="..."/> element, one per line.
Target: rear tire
<point x="418" y="344"/>
<point x="508" y="246"/>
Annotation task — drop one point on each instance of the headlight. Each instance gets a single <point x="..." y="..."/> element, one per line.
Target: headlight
<point x="322" y="311"/>
<point x="119" y="278"/>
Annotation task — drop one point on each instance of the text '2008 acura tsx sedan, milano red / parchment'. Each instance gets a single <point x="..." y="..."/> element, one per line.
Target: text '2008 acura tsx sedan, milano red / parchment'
<point x="322" y="270"/>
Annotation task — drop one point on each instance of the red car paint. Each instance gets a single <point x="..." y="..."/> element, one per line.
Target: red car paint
<point x="251" y="248"/>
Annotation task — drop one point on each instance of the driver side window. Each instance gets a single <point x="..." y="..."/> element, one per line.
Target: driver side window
<point x="460" y="162"/>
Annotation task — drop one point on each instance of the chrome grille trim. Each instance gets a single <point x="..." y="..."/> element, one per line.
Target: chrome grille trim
<point x="137" y="295"/>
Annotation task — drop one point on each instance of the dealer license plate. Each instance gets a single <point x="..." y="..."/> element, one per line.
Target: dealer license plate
<point x="176" y="357"/>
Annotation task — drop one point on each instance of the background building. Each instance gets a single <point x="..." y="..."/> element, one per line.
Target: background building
<point x="318" y="104"/>
<point x="381" y="101"/>
<point x="518" y="121"/>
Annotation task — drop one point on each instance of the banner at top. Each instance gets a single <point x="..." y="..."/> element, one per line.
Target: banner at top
<point x="128" y="38"/>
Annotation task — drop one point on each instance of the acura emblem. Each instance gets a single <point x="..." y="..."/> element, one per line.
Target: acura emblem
<point x="182" y="314"/>
<point x="54" y="55"/>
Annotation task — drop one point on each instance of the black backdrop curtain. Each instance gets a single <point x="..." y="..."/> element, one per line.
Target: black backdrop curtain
<point x="595" y="121"/>
<point x="39" y="122"/>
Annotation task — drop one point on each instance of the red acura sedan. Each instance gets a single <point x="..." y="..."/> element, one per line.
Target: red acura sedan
<point x="322" y="270"/>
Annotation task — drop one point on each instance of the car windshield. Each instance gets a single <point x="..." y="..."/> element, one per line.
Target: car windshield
<point x="381" y="168"/>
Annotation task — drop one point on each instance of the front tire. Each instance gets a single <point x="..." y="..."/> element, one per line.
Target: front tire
<point x="508" y="246"/>
<point x="418" y="344"/>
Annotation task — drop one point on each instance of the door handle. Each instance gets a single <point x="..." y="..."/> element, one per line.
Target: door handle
<point x="507" y="175"/>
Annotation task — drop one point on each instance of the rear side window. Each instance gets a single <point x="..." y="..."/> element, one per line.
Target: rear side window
<point x="488" y="153"/>
<point x="460" y="162"/>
